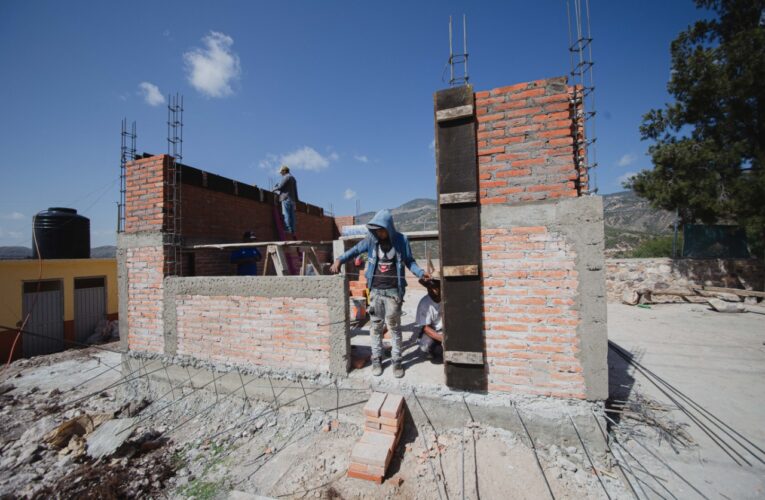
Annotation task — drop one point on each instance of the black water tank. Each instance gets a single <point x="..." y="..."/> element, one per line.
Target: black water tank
<point x="61" y="234"/>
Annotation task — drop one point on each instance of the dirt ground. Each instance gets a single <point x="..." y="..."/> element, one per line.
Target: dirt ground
<point x="191" y="443"/>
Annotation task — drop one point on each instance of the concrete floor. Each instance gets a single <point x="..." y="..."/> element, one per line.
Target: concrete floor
<point x="718" y="360"/>
<point x="419" y="370"/>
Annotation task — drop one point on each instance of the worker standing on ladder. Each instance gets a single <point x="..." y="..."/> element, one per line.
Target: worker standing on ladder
<point x="287" y="191"/>
<point x="389" y="252"/>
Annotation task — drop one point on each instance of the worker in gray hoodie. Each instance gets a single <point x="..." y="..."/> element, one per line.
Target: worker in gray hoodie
<point x="388" y="254"/>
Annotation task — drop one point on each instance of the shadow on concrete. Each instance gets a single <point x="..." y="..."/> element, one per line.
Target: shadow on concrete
<point x="620" y="382"/>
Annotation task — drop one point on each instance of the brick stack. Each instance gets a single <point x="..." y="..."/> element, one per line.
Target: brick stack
<point x="384" y="421"/>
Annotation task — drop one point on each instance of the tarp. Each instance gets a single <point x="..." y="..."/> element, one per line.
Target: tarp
<point x="714" y="242"/>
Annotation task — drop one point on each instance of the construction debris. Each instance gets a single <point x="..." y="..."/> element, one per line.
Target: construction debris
<point x="726" y="307"/>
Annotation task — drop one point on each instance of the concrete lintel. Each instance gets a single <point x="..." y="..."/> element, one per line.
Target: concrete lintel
<point x="580" y="220"/>
<point x="332" y="288"/>
<point x="142" y="239"/>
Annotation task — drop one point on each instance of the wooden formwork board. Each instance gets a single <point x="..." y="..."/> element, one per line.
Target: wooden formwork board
<point x="460" y="238"/>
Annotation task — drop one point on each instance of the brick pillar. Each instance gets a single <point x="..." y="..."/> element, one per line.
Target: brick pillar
<point x="143" y="254"/>
<point x="543" y="289"/>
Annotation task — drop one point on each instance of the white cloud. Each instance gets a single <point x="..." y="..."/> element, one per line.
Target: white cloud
<point x="432" y="145"/>
<point x="361" y="158"/>
<point x="349" y="194"/>
<point x="212" y="70"/>
<point x="624" y="178"/>
<point x="15" y="216"/>
<point x="626" y="160"/>
<point x="151" y="94"/>
<point x="305" y="158"/>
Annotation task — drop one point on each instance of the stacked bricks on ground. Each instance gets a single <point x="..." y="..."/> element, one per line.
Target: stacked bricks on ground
<point x="542" y="247"/>
<point x="227" y="319"/>
<point x="383" y="424"/>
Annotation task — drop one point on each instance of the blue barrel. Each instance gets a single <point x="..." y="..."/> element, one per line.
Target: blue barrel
<point x="61" y="234"/>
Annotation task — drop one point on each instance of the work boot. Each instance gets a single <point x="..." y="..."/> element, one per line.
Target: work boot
<point x="398" y="370"/>
<point x="376" y="367"/>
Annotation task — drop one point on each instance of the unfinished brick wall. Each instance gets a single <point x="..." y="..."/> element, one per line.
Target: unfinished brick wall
<point x="262" y="331"/>
<point x="144" y="197"/>
<point x="526" y="143"/>
<point x="214" y="210"/>
<point x="145" y="274"/>
<point x="541" y="246"/>
<point x="530" y="283"/>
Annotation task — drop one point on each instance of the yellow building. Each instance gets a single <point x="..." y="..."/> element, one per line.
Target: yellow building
<point x="67" y="298"/>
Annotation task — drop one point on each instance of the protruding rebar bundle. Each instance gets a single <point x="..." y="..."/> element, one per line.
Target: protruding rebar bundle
<point x="456" y="59"/>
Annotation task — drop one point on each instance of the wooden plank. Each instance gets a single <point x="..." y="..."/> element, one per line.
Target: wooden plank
<point x="454" y="113"/>
<point x="463" y="270"/>
<point x="451" y="198"/>
<point x="736" y="291"/>
<point x="314" y="260"/>
<point x="463" y="357"/>
<point x="460" y="241"/>
<point x="303" y="264"/>
<point x="411" y="236"/>
<point x="257" y="244"/>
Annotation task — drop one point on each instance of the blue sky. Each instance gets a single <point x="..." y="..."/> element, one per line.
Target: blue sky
<point x="342" y="91"/>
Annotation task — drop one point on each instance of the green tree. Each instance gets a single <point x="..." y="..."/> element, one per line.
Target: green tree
<point x="708" y="146"/>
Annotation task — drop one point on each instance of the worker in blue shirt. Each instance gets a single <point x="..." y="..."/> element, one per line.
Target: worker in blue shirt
<point x="246" y="259"/>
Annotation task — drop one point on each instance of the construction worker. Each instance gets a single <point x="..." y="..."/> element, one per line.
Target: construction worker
<point x="288" y="196"/>
<point x="246" y="259"/>
<point x="388" y="253"/>
<point x="429" y="321"/>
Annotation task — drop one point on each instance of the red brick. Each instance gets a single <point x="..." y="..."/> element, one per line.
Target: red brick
<point x="373" y="406"/>
<point x="392" y="406"/>
<point x="365" y="476"/>
<point x="520" y="172"/>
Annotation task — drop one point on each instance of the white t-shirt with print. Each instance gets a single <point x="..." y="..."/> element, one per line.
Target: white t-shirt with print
<point x="428" y="314"/>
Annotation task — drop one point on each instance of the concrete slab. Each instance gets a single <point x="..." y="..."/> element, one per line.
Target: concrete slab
<point x="714" y="358"/>
<point x="109" y="437"/>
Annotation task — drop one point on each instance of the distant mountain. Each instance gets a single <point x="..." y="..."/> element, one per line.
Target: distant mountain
<point x="104" y="252"/>
<point x="626" y="210"/>
<point x="629" y="220"/>
<point x="11" y="253"/>
<point x="15" y="253"/>
<point x="415" y="215"/>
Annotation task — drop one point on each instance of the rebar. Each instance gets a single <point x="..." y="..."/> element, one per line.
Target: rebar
<point x="534" y="450"/>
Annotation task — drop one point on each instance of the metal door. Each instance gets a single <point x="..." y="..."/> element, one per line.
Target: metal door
<point x="89" y="306"/>
<point x="44" y="331"/>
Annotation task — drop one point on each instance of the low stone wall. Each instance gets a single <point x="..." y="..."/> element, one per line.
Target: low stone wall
<point x="662" y="274"/>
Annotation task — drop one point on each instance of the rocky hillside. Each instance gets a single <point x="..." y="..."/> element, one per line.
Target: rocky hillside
<point x="629" y="220"/>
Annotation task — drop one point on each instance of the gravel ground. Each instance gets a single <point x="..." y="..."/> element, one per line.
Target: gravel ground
<point x="190" y="444"/>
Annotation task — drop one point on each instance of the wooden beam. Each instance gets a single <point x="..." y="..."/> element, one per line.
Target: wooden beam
<point x="452" y="198"/>
<point x="314" y="260"/>
<point x="256" y="244"/>
<point x="443" y="115"/>
<point x="454" y="271"/>
<point x="735" y="291"/>
<point x="464" y="357"/>
<point x="411" y="236"/>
